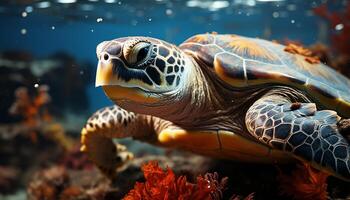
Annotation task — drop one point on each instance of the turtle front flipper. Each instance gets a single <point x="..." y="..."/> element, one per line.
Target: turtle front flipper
<point x="113" y="122"/>
<point x="299" y="128"/>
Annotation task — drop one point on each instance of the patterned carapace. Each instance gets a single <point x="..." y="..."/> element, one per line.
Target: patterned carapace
<point x="245" y="62"/>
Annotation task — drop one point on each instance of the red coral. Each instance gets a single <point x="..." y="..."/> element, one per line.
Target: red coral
<point x="305" y="183"/>
<point x="164" y="185"/>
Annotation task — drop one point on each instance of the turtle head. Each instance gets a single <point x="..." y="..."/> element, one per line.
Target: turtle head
<point x="141" y="69"/>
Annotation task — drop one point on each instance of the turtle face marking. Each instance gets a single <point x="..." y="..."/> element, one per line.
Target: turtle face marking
<point x="146" y="63"/>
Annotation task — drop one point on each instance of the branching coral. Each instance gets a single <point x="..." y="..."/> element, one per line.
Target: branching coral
<point x="304" y="183"/>
<point x="162" y="184"/>
<point x="50" y="184"/>
<point x="60" y="183"/>
<point x="33" y="110"/>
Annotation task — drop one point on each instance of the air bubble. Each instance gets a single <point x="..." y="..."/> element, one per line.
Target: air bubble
<point x="23" y="31"/>
<point x="168" y="12"/>
<point x="339" y="27"/>
<point x="275" y="14"/>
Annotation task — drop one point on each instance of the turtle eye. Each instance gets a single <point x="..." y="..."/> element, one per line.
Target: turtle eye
<point x="139" y="53"/>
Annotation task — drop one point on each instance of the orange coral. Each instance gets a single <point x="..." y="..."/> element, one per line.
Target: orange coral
<point x="29" y="107"/>
<point x="305" y="183"/>
<point x="165" y="185"/>
<point x="32" y="110"/>
<point x="298" y="49"/>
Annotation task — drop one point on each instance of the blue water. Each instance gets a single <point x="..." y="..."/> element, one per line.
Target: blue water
<point x="75" y="28"/>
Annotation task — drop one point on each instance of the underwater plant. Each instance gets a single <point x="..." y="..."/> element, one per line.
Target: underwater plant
<point x="60" y="183"/>
<point x="35" y="118"/>
<point x="165" y="185"/>
<point x="31" y="109"/>
<point x="304" y="183"/>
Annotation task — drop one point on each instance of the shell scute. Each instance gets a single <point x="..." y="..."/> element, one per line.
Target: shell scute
<point x="209" y="54"/>
<point x="205" y="53"/>
<point x="229" y="67"/>
<point x="247" y="49"/>
<point x="262" y="73"/>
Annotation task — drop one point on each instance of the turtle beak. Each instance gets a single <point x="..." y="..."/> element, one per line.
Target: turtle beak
<point x="104" y="74"/>
<point x="104" y="69"/>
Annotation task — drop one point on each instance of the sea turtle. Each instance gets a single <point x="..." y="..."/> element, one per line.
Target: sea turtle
<point x="225" y="96"/>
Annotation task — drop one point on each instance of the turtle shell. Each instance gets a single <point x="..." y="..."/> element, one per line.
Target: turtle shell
<point x="250" y="62"/>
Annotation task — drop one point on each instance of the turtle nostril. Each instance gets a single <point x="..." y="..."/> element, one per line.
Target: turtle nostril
<point x="105" y="57"/>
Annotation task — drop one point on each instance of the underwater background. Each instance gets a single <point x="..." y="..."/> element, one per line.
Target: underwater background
<point x="47" y="71"/>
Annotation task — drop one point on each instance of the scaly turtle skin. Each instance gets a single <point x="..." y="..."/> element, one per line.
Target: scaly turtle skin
<point x="224" y="96"/>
